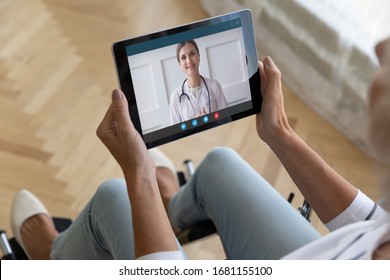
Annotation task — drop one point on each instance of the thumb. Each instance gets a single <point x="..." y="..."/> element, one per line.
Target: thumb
<point x="273" y="74"/>
<point x="120" y="108"/>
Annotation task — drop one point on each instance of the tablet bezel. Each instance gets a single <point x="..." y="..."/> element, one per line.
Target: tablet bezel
<point x="126" y="84"/>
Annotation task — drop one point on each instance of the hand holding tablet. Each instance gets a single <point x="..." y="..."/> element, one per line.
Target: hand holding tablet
<point x="190" y="78"/>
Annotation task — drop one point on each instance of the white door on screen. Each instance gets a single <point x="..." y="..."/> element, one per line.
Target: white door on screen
<point x="150" y="87"/>
<point x="224" y="56"/>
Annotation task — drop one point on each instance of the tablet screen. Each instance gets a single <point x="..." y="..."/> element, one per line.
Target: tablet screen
<point x="190" y="78"/>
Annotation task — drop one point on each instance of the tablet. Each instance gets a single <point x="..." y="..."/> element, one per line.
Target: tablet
<point x="190" y="78"/>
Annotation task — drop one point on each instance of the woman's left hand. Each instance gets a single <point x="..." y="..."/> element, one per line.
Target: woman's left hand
<point x="151" y="227"/>
<point x="118" y="134"/>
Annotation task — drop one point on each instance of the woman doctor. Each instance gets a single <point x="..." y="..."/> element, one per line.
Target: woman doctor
<point x="197" y="95"/>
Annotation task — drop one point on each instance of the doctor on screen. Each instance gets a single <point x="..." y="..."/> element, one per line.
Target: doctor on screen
<point x="197" y="95"/>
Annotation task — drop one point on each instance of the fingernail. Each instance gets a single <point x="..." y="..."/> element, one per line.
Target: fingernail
<point x="268" y="61"/>
<point x="116" y="95"/>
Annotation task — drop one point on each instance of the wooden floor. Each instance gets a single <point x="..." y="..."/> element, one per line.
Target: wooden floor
<point x="56" y="76"/>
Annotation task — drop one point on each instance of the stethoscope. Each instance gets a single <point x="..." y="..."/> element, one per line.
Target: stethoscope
<point x="186" y="95"/>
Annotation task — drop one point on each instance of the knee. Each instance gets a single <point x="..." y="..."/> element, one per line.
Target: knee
<point x="220" y="155"/>
<point x="219" y="161"/>
<point x="112" y="191"/>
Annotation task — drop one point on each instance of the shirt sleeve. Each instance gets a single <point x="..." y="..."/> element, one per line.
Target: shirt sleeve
<point x="174" y="109"/>
<point x="168" y="255"/>
<point x="362" y="208"/>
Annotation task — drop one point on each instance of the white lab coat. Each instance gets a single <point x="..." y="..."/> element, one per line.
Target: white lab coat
<point x="189" y="108"/>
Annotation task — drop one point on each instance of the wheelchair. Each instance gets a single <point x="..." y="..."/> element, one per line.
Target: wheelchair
<point x="13" y="251"/>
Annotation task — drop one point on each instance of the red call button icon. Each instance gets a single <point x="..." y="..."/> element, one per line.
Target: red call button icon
<point x="216" y="115"/>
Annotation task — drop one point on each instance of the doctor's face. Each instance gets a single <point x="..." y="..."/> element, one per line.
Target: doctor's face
<point x="379" y="121"/>
<point x="189" y="59"/>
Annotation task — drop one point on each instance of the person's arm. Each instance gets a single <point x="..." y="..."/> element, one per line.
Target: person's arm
<point x="174" y="108"/>
<point x="152" y="230"/>
<point x="327" y="192"/>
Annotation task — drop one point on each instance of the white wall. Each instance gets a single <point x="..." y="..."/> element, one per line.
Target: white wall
<point x="156" y="74"/>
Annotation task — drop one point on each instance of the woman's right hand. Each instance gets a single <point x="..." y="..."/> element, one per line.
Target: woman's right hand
<point x="326" y="191"/>
<point x="272" y="122"/>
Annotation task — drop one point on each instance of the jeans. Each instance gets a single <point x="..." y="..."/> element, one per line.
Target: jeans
<point x="252" y="219"/>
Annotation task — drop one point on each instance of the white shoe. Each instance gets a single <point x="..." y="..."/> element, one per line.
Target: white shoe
<point x="24" y="206"/>
<point x="162" y="160"/>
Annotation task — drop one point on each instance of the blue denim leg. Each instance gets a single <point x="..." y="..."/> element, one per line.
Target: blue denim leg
<point x="103" y="230"/>
<point x="252" y="219"/>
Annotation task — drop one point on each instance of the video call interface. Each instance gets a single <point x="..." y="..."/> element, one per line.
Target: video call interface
<point x="209" y="117"/>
